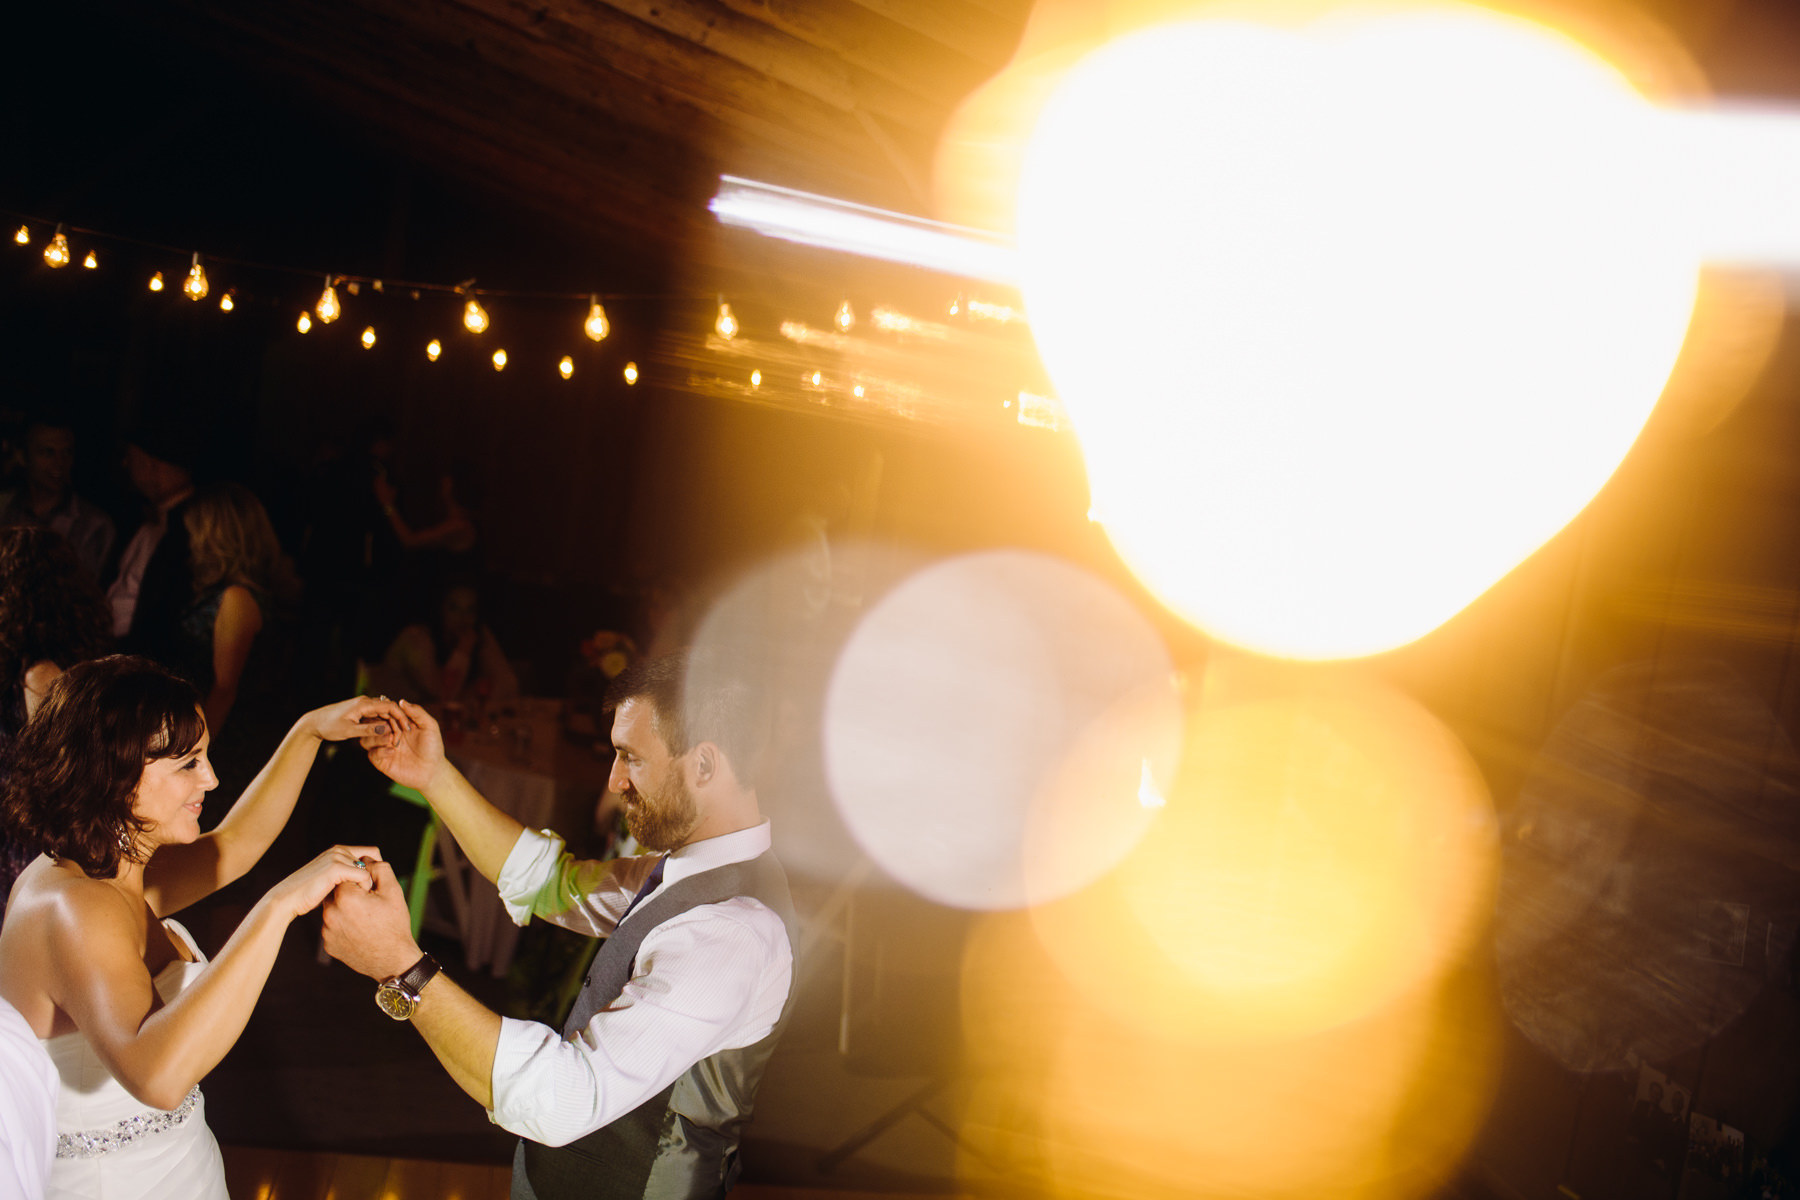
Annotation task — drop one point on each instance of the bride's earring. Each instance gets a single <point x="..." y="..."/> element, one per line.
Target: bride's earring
<point x="126" y="845"/>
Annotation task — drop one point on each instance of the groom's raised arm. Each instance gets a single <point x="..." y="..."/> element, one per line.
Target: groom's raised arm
<point x="412" y="753"/>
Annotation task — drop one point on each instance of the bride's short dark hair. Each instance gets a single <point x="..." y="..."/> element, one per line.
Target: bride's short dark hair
<point x="74" y="769"/>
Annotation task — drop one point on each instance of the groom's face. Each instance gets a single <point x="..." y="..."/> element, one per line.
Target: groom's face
<point x="660" y="809"/>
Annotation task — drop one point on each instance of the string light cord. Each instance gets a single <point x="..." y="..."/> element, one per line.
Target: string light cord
<point x="416" y="285"/>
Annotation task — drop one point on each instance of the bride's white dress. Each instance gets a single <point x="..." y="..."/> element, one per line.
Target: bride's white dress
<point x="110" y="1146"/>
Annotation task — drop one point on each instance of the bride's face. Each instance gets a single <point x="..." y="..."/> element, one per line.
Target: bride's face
<point x="170" y="794"/>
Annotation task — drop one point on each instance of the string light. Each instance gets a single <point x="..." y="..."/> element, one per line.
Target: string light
<point x="353" y="288"/>
<point x="595" y="326"/>
<point x="845" y="320"/>
<point x="956" y="306"/>
<point x="475" y="318"/>
<point x="57" y="252"/>
<point x="727" y="325"/>
<point x="816" y="378"/>
<point x="368" y="337"/>
<point x="631" y="372"/>
<point x="499" y="360"/>
<point x="156" y="284"/>
<point x="23" y="237"/>
<point x="328" y="307"/>
<point x="304" y="323"/>
<point x="195" y="283"/>
<point x="226" y="304"/>
<point x="566" y="366"/>
<point x="756" y="379"/>
<point x="858" y="390"/>
<point x="90" y="262"/>
<point x="433" y="348"/>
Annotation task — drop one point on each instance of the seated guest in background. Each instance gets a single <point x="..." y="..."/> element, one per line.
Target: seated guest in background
<point x="51" y="617"/>
<point x="108" y="780"/>
<point x="155" y="583"/>
<point x="452" y="657"/>
<point x="236" y="564"/>
<point x="646" y="1088"/>
<point x="48" y="497"/>
<point x="27" y="1108"/>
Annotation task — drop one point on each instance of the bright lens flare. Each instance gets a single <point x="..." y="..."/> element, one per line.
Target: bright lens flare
<point x="987" y="726"/>
<point x="1397" y="315"/>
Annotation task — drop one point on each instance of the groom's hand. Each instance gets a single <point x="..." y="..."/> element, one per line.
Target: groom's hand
<point x="410" y="750"/>
<point x="371" y="931"/>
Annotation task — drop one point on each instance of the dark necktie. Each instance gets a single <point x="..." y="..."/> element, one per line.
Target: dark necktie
<point x="656" y="874"/>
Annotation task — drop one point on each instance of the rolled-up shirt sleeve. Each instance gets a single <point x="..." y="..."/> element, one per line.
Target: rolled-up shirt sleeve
<point x="539" y="879"/>
<point x="709" y="979"/>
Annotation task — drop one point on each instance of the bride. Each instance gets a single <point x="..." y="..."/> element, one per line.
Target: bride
<point x="107" y="780"/>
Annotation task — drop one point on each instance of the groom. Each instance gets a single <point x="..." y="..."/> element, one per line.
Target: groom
<point x="645" y="1089"/>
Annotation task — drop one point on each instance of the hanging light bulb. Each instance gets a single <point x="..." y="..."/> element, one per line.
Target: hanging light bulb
<point x="956" y="305"/>
<point x="499" y="360"/>
<point x="433" y="348"/>
<point x="353" y="287"/>
<point x="225" y="303"/>
<point x="305" y="321"/>
<point x="595" y="325"/>
<point x="816" y="378"/>
<point x="845" y="318"/>
<point x="156" y="284"/>
<point x="368" y="338"/>
<point x="566" y="366"/>
<point x="475" y="318"/>
<point x="195" y="283"/>
<point x="23" y="237"/>
<point x="857" y="391"/>
<point x="328" y="307"/>
<point x="756" y="379"/>
<point x="90" y="262"/>
<point x="57" y="252"/>
<point x="727" y="325"/>
<point x="630" y="372"/>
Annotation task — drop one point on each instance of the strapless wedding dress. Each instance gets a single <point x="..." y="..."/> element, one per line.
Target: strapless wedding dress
<point x="109" y="1146"/>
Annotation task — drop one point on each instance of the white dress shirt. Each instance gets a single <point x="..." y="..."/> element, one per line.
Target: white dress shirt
<point x="710" y="979"/>
<point x="28" y="1086"/>
<point x="123" y="594"/>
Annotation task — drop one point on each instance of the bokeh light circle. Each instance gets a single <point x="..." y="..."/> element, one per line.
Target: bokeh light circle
<point x="1327" y="845"/>
<point x="1350" y="317"/>
<point x="991" y="725"/>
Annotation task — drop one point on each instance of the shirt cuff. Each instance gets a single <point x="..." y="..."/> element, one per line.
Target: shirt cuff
<point x="519" y="1074"/>
<point x="530" y="864"/>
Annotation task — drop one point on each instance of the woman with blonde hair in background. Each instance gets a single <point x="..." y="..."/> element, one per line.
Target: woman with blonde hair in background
<point x="238" y="570"/>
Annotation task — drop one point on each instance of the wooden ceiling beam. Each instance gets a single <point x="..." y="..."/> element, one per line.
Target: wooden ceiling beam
<point x="873" y="43"/>
<point x="760" y="109"/>
<point x="787" y="59"/>
<point x="970" y="31"/>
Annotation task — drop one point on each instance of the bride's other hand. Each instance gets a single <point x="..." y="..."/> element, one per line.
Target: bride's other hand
<point x="414" y="753"/>
<point x="361" y="717"/>
<point x="302" y="891"/>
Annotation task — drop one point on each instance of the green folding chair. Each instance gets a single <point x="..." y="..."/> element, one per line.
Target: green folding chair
<point x="426" y="871"/>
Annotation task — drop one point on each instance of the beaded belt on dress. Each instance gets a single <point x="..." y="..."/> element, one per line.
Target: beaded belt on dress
<point x="92" y="1143"/>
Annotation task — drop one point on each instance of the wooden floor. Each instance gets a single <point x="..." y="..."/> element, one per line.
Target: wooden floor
<point x="296" y="1175"/>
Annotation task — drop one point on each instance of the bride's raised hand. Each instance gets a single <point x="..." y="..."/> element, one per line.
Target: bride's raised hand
<point x="303" y="891"/>
<point x="413" y="753"/>
<point x="359" y="717"/>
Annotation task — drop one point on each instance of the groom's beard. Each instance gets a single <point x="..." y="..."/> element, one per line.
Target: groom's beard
<point x="663" y="821"/>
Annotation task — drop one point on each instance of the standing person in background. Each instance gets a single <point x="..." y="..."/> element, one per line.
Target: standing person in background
<point x="51" y="617"/>
<point x="48" y="497"/>
<point x="155" y="581"/>
<point x="456" y="533"/>
<point x="236" y="566"/>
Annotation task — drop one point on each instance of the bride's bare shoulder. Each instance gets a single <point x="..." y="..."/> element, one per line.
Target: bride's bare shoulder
<point x="59" y="899"/>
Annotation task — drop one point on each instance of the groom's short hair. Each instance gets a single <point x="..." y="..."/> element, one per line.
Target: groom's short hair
<point x="698" y="696"/>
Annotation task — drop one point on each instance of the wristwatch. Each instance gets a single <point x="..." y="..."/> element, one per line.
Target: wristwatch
<point x="398" y="996"/>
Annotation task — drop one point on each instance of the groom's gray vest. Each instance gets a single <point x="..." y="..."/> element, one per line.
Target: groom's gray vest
<point x="682" y="1143"/>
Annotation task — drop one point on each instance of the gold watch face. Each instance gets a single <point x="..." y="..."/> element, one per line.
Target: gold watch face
<point x="394" y="1002"/>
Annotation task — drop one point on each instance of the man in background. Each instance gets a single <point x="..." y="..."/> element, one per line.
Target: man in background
<point x="48" y="496"/>
<point x="156" y="580"/>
